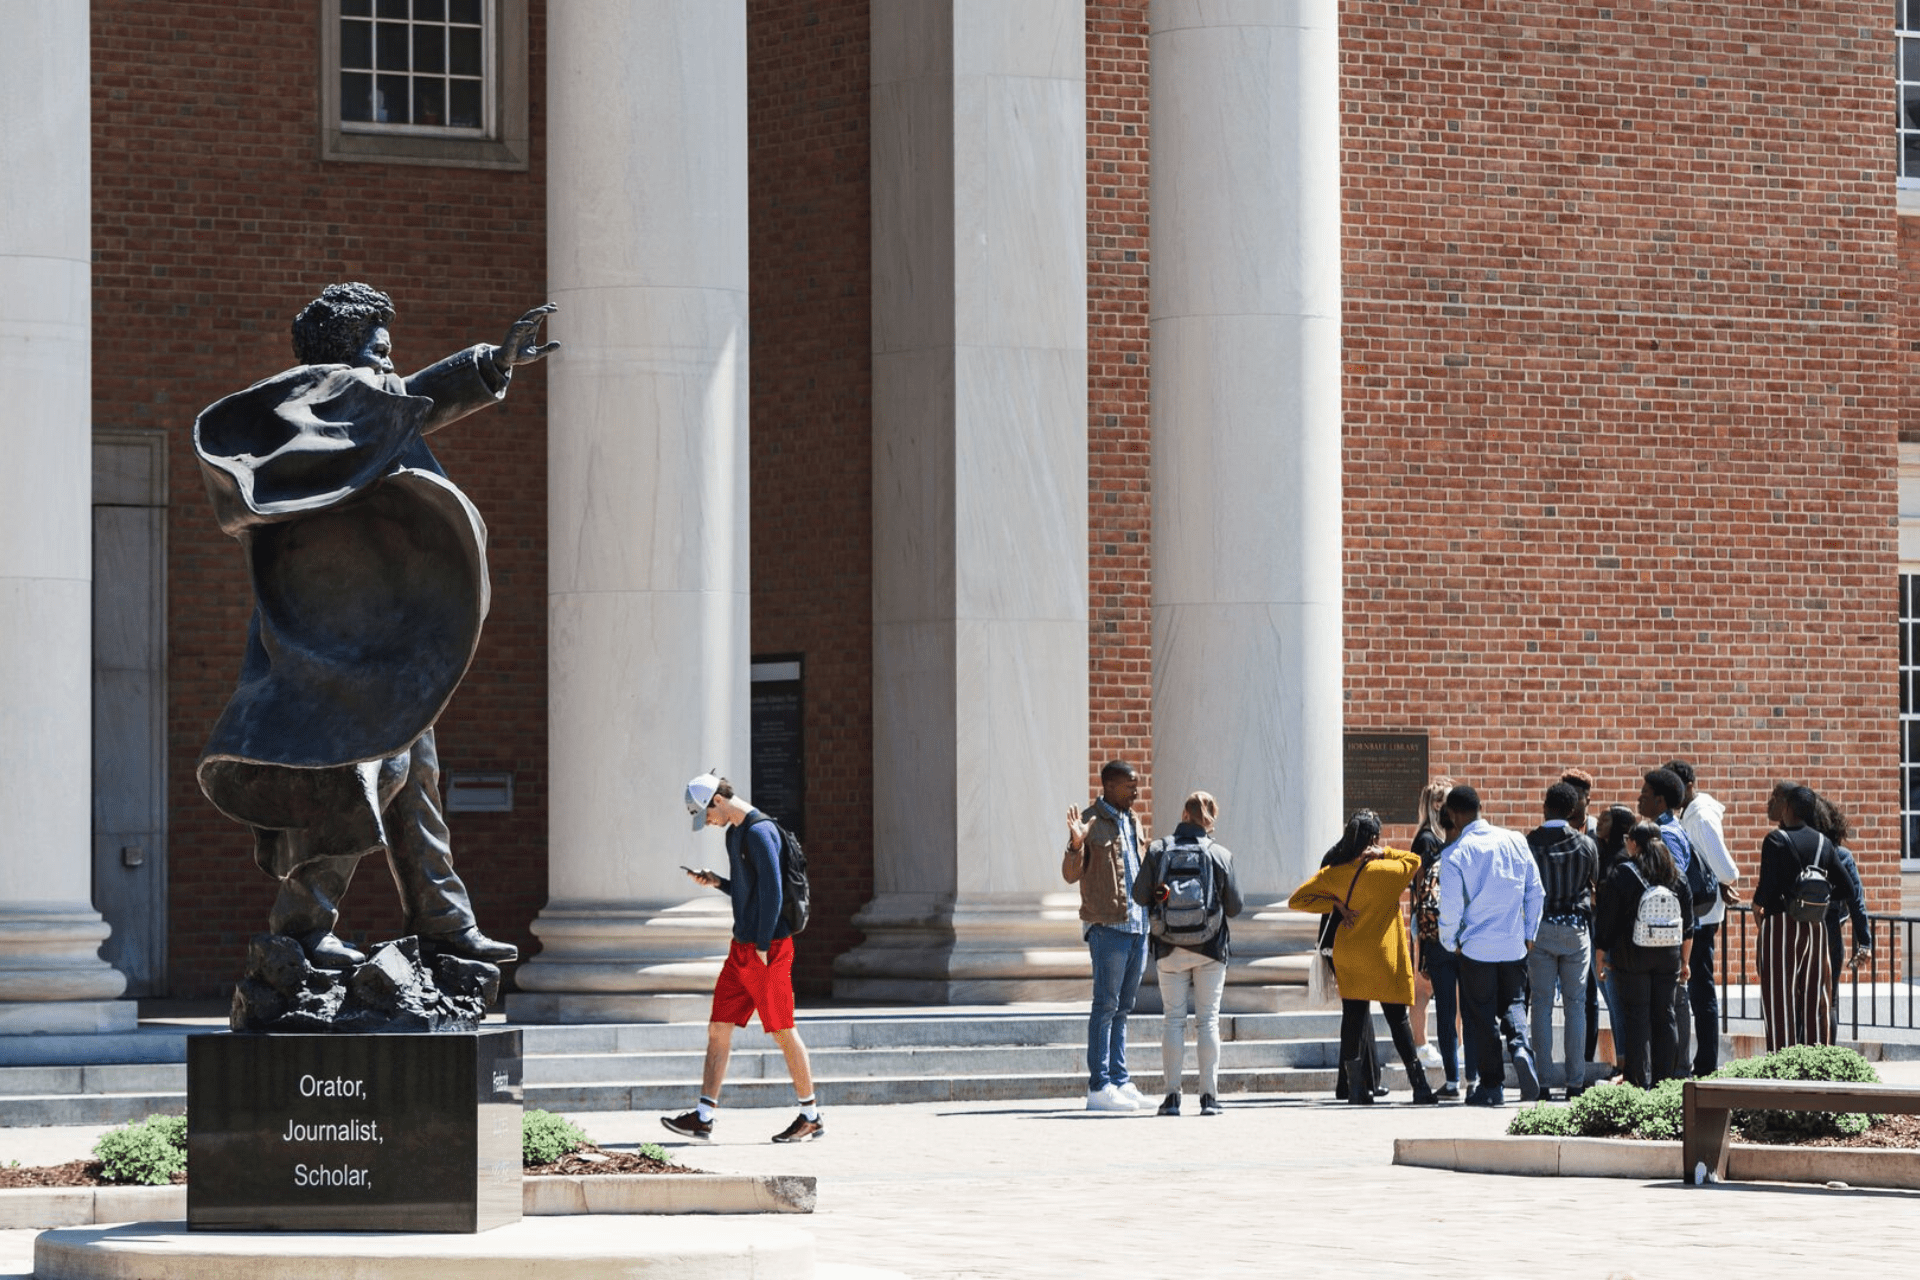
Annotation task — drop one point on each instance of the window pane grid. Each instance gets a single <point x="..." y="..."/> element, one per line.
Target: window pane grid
<point x="420" y="66"/>
<point x="1906" y="75"/>
<point x="1910" y="705"/>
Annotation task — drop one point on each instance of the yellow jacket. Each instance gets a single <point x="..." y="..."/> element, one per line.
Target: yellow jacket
<point x="1371" y="960"/>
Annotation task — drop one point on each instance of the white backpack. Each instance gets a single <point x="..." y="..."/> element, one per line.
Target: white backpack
<point x="1658" y="922"/>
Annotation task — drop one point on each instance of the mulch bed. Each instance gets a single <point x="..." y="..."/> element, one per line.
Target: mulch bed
<point x="1891" y="1132"/>
<point x="74" y="1173"/>
<point x="587" y="1160"/>
<point x="592" y="1160"/>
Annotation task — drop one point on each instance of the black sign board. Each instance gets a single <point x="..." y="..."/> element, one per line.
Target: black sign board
<point x="779" y="765"/>
<point x="354" y="1132"/>
<point x="1385" y="772"/>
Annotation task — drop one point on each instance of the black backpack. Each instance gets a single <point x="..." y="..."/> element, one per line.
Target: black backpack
<point x="796" y="896"/>
<point x="1702" y="885"/>
<point x="1812" y="892"/>
<point x="1186" y="909"/>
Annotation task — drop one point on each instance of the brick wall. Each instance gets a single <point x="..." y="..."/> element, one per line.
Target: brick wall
<point x="1119" y="489"/>
<point x="812" y="426"/>
<point x="213" y="223"/>
<point x="1623" y="359"/>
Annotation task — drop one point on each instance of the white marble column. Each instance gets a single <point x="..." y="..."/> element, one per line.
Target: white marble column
<point x="979" y="500"/>
<point x="647" y="498"/>
<point x="1245" y="316"/>
<point x="52" y="978"/>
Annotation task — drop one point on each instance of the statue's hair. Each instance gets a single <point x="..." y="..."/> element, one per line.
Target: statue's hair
<point x="334" y="326"/>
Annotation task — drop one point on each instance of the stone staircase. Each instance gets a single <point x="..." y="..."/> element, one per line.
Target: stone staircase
<point x="859" y="1056"/>
<point x="912" y="1056"/>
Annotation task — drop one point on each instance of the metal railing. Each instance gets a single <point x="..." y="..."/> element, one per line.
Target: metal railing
<point x="1879" y="992"/>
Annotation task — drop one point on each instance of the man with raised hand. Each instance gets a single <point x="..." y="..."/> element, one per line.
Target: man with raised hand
<point x="1103" y="857"/>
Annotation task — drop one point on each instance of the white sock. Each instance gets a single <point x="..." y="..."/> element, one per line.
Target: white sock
<point x="808" y="1110"/>
<point x="705" y="1109"/>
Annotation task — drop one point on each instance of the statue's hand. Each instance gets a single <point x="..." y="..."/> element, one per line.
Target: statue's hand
<point x="523" y="344"/>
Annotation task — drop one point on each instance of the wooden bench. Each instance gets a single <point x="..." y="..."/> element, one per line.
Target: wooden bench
<point x="1709" y="1106"/>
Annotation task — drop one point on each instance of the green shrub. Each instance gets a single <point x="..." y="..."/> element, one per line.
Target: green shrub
<point x="149" y="1153"/>
<point x="654" y="1151"/>
<point x="545" y="1137"/>
<point x="1802" y="1062"/>
<point x="1607" y="1111"/>
<point x="1543" y="1120"/>
<point x="1662" y="1112"/>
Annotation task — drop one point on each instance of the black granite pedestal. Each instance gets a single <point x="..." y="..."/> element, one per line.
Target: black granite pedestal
<point x="353" y="1132"/>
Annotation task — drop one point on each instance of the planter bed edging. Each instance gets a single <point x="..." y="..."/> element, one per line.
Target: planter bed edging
<point x="42" y="1208"/>
<point x="1659" y="1161"/>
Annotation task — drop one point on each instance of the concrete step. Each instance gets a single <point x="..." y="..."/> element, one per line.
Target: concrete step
<point x="842" y="1031"/>
<point x="846" y="1064"/>
<point x="748" y="1094"/>
<point x="89" y="1108"/>
<point x="95" y="1078"/>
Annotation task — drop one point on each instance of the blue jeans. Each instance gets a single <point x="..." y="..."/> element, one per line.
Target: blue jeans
<point x="1119" y="958"/>
<point x="1443" y="971"/>
<point x="1560" y="956"/>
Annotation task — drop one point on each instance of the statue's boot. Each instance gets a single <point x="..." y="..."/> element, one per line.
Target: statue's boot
<point x="325" y="951"/>
<point x="469" y="944"/>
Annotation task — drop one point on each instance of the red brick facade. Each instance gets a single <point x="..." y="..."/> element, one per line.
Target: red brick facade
<point x="1626" y="360"/>
<point x="1623" y="363"/>
<point x="811" y="374"/>
<point x="1119" y="488"/>
<point x="214" y="221"/>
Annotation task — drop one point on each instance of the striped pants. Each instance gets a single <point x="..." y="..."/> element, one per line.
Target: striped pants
<point x="1795" y="998"/>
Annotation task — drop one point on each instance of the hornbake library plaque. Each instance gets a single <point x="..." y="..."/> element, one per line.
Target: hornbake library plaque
<point x="353" y="1132"/>
<point x="1385" y="772"/>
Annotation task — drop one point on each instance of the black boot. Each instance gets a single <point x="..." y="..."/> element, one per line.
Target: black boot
<point x="1423" y="1094"/>
<point x="1359" y="1082"/>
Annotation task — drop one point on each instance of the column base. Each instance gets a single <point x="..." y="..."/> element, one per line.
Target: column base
<point x="928" y="949"/>
<point x="623" y="962"/>
<point x="921" y="949"/>
<point x="52" y="979"/>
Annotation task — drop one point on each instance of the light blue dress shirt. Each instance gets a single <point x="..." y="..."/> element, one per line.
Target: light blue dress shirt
<point x="1490" y="894"/>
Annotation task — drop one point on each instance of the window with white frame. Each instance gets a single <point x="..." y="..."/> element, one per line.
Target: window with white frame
<point x="1910" y="721"/>
<point x="437" y="82"/>
<point x="1909" y="624"/>
<point x="415" y="64"/>
<point x="1906" y="76"/>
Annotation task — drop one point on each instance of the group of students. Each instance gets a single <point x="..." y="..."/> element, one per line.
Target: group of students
<point x="1625" y="904"/>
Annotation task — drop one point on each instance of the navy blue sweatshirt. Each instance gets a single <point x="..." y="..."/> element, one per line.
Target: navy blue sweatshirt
<point x="753" y="861"/>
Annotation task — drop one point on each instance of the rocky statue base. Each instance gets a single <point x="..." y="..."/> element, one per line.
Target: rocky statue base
<point x="395" y="990"/>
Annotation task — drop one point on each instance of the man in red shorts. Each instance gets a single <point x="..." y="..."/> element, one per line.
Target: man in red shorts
<point x="758" y="974"/>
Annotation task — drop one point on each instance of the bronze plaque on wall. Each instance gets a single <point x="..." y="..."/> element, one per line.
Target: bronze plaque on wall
<point x="1385" y="772"/>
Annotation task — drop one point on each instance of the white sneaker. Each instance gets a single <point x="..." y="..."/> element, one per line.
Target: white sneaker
<point x="1134" y="1096"/>
<point x="1429" y="1056"/>
<point x="1107" y="1098"/>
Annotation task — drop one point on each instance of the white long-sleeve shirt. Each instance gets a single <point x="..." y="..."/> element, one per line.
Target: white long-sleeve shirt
<point x="1701" y="822"/>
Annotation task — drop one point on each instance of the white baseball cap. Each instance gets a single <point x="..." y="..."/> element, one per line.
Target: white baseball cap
<point x="700" y="793"/>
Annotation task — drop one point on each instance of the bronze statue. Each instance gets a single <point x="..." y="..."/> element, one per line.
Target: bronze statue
<point x="369" y="575"/>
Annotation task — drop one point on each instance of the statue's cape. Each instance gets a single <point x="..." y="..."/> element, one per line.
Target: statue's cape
<point x="369" y="576"/>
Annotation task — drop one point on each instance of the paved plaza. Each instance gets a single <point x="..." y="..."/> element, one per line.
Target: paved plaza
<point x="1278" y="1186"/>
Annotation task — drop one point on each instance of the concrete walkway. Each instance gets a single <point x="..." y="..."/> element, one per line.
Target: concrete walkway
<point x="1288" y="1186"/>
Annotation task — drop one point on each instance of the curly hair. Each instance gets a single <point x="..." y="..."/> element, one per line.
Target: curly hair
<point x="334" y="326"/>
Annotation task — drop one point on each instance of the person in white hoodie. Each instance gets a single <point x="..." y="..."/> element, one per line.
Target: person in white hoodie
<point x="1700" y="818"/>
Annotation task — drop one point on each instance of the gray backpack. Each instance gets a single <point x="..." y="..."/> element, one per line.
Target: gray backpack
<point x="1186" y="909"/>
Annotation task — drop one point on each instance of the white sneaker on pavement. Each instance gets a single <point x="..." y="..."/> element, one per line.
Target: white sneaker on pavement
<point x="1134" y="1096"/>
<point x="1107" y="1098"/>
<point x="1428" y="1055"/>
